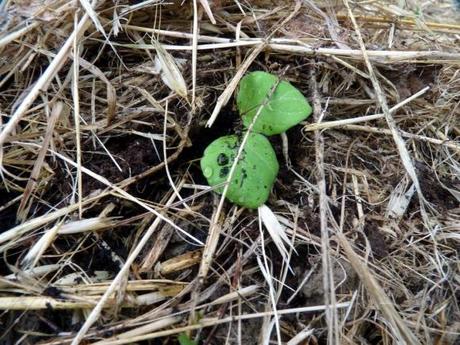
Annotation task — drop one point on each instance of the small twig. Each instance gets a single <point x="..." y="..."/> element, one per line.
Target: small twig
<point x="194" y="52"/>
<point x="447" y="143"/>
<point x="328" y="278"/>
<point x="365" y="118"/>
<point x="17" y="34"/>
<point x="76" y="113"/>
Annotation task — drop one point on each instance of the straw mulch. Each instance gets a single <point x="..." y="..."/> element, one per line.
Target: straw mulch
<point x="109" y="233"/>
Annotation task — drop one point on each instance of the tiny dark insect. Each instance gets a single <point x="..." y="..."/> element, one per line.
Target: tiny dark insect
<point x="222" y="159"/>
<point x="224" y="172"/>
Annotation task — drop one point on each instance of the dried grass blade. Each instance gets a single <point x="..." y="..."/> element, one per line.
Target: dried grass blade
<point x="364" y="118"/>
<point x="400" y="144"/>
<point x="170" y="72"/>
<point x="300" y="338"/>
<point x="34" y="175"/>
<point x="76" y="115"/>
<point x="327" y="274"/>
<point x="42" y="83"/>
<point x="212" y="321"/>
<point x="275" y="229"/>
<point x="95" y="313"/>
<point x="16" y="34"/>
<point x="208" y="11"/>
<point x="194" y="52"/>
<point x="179" y="263"/>
<point x="111" y="93"/>
<point x="141" y="330"/>
<point x="85" y="225"/>
<point x="11" y="234"/>
<point x="40" y="303"/>
<point x="263" y="266"/>
<point x="228" y="92"/>
<point x="161" y="242"/>
<point x="399" y="200"/>
<point x="37" y="250"/>
<point x="243" y="292"/>
<point x="35" y="272"/>
<point x="398" y="326"/>
<point x="89" y="8"/>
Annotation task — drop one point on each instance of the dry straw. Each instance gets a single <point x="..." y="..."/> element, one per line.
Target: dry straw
<point x="107" y="233"/>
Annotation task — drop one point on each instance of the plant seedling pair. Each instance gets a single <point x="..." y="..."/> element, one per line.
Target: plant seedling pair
<point x="257" y="168"/>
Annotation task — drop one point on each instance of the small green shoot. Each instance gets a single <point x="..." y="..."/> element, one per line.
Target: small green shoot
<point x="256" y="170"/>
<point x="185" y="340"/>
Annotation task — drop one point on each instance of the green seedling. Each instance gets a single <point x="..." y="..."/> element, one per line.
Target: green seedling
<point x="255" y="172"/>
<point x="185" y="340"/>
<point x="278" y="106"/>
<point x="285" y="108"/>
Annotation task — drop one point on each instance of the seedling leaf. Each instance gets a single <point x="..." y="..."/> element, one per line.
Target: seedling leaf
<point x="255" y="172"/>
<point x="286" y="107"/>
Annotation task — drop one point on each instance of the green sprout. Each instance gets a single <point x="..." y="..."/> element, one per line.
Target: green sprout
<point x="257" y="168"/>
<point x="185" y="340"/>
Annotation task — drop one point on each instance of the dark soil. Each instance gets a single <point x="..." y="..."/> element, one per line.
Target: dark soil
<point x="8" y="215"/>
<point x="376" y="240"/>
<point x="433" y="190"/>
<point x="134" y="155"/>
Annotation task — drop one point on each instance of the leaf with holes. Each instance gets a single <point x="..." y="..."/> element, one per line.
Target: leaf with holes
<point x="284" y="109"/>
<point x="255" y="172"/>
